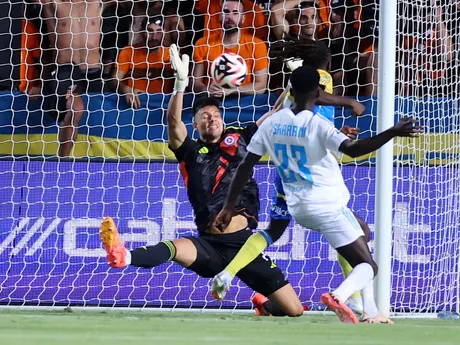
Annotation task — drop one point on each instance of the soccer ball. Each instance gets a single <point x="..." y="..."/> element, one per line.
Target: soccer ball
<point x="229" y="70"/>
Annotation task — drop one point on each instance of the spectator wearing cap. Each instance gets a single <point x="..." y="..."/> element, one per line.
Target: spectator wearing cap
<point x="231" y="40"/>
<point x="174" y="27"/>
<point x="144" y="67"/>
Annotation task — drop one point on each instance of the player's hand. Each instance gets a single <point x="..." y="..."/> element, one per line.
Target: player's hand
<point x="180" y="65"/>
<point x="223" y="219"/>
<point x="406" y="128"/>
<point x="357" y="109"/>
<point x="351" y="132"/>
<point x="34" y="92"/>
<point x="215" y="90"/>
<point x="132" y="99"/>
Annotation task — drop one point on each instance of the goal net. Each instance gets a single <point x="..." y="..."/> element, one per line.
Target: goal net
<point x="120" y="165"/>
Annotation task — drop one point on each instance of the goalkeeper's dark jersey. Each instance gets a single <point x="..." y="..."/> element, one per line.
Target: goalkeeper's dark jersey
<point x="208" y="169"/>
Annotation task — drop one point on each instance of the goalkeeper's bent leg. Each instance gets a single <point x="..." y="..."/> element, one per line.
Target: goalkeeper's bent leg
<point x="251" y="249"/>
<point x="256" y="244"/>
<point x="283" y="302"/>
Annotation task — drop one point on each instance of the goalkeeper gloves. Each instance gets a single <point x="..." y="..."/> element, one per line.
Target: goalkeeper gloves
<point x="180" y="65"/>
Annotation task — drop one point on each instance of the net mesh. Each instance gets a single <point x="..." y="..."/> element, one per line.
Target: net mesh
<point x="120" y="165"/>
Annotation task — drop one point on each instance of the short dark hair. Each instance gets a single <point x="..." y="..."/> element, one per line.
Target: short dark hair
<point x="305" y="79"/>
<point x="308" y="4"/>
<point x="202" y="102"/>
<point x="313" y="53"/>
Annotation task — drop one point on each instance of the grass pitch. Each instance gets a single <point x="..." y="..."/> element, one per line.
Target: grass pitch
<point x="133" y="328"/>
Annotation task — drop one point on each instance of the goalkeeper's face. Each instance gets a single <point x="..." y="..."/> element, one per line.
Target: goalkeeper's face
<point x="209" y="123"/>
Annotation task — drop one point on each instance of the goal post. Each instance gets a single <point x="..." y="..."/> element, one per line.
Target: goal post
<point x="384" y="159"/>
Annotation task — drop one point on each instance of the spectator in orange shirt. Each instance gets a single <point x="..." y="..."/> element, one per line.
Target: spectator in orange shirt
<point x="142" y="68"/>
<point x="231" y="40"/>
<point x="31" y="53"/>
<point x="254" y="18"/>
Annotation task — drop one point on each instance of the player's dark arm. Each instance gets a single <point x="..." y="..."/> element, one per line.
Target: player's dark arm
<point x="258" y="86"/>
<point x="404" y="128"/>
<point x="328" y="99"/>
<point x="199" y="74"/>
<point x="241" y="177"/>
<point x="278" y="105"/>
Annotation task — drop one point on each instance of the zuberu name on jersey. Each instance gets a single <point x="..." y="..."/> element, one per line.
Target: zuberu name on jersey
<point x="289" y="130"/>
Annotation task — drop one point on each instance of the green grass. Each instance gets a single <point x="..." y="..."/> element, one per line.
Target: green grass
<point x="119" y="328"/>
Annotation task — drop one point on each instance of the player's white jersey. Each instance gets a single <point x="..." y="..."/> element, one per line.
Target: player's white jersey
<point x="300" y="146"/>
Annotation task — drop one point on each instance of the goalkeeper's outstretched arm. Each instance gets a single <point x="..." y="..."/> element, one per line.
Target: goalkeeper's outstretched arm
<point x="177" y="132"/>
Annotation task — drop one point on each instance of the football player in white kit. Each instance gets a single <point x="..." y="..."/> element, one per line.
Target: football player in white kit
<point x="300" y="144"/>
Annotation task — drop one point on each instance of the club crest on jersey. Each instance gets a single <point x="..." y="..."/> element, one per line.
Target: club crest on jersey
<point x="229" y="140"/>
<point x="230" y="143"/>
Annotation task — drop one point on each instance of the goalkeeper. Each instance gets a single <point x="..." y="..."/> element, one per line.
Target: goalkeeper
<point x="207" y="167"/>
<point x="295" y="53"/>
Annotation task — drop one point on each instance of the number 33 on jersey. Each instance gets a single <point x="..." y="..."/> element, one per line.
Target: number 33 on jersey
<point x="300" y="146"/>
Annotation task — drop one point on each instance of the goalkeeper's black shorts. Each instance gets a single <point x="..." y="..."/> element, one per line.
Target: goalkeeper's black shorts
<point x="214" y="253"/>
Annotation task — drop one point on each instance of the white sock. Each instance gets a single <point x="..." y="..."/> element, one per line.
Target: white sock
<point x="128" y="257"/>
<point x="358" y="278"/>
<point x="369" y="306"/>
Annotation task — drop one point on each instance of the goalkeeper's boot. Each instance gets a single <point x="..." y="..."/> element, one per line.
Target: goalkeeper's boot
<point x="116" y="252"/>
<point x="355" y="304"/>
<point x="259" y="300"/>
<point x="378" y="319"/>
<point x="344" y="313"/>
<point x="220" y="285"/>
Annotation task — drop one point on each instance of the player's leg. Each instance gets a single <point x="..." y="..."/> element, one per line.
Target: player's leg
<point x="263" y="276"/>
<point x="355" y="301"/>
<point x="256" y="244"/>
<point x="184" y="251"/>
<point x="359" y="255"/>
<point x="344" y="233"/>
<point x="68" y="130"/>
<point x="72" y="85"/>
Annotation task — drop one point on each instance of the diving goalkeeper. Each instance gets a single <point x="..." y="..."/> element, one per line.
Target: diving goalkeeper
<point x="207" y="167"/>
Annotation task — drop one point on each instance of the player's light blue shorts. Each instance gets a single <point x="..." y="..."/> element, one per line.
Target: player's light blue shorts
<point x="278" y="209"/>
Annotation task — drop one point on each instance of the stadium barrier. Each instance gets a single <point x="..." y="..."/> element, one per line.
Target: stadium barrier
<point x="111" y="129"/>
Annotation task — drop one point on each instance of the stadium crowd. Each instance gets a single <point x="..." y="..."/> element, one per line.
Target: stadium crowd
<point x="72" y="47"/>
